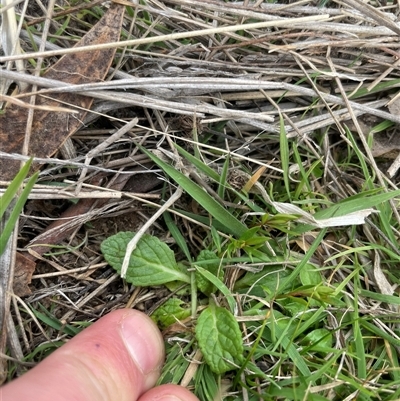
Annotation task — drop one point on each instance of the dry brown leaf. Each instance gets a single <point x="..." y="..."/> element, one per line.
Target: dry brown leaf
<point x="69" y="220"/>
<point x="24" y="268"/>
<point x="394" y="105"/>
<point x="386" y="145"/>
<point x="383" y="144"/>
<point x="51" y="129"/>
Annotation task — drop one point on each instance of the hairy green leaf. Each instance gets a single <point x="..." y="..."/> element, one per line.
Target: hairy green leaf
<point x="204" y="285"/>
<point x="319" y="339"/>
<point x="151" y="263"/>
<point x="219" y="285"/>
<point x="219" y="339"/>
<point x="170" y="312"/>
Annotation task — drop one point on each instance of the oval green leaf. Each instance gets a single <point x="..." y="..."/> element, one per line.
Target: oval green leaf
<point x="204" y="285"/>
<point x="219" y="338"/>
<point x="170" y="312"/>
<point x="151" y="263"/>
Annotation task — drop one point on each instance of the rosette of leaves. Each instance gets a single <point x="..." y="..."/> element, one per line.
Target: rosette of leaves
<point x="153" y="263"/>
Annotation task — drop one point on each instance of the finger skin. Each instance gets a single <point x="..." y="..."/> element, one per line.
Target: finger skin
<point x="168" y="390"/>
<point x="95" y="365"/>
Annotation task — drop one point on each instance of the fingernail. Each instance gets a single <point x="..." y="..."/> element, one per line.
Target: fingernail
<point x="169" y="398"/>
<point x="143" y="341"/>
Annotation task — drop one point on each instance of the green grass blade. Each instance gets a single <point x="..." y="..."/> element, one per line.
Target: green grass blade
<point x="292" y="351"/>
<point x="355" y="204"/>
<point x="14" y="215"/>
<point x="47" y="318"/>
<point x="208" y="171"/>
<point x="284" y="146"/>
<point x="358" y="336"/>
<point x="326" y="368"/>
<point x="175" y="232"/>
<point x="303" y="262"/>
<point x="223" y="178"/>
<point x="365" y="91"/>
<point x="389" y="299"/>
<point x="379" y="333"/>
<point x="384" y="217"/>
<point x="12" y="189"/>
<point x="203" y="220"/>
<point x="369" y="176"/>
<point x="231" y="223"/>
<point x="304" y="184"/>
<point x="216" y="239"/>
<point x="219" y="284"/>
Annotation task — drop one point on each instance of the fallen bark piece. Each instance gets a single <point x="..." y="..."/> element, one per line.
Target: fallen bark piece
<point x="50" y="129"/>
<point x="24" y="268"/>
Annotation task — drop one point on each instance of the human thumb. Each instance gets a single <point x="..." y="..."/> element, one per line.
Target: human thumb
<point x="117" y="358"/>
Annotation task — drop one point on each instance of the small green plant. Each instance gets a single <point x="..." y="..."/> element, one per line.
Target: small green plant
<point x="10" y="208"/>
<point x="153" y="263"/>
<point x="261" y="266"/>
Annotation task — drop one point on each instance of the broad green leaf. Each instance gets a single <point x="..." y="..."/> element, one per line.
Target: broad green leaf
<point x="266" y="281"/>
<point x="231" y="224"/>
<point x="170" y="312"/>
<point x="294" y="306"/>
<point x="204" y="285"/>
<point x="151" y="263"/>
<point x="219" y="284"/>
<point x="177" y="287"/>
<point x="250" y="233"/>
<point x="219" y="338"/>
<point x="319" y="339"/>
<point x="309" y="275"/>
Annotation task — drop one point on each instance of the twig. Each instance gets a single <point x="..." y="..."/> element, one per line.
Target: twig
<point x="287" y="22"/>
<point x="101" y="147"/>
<point x="134" y="241"/>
